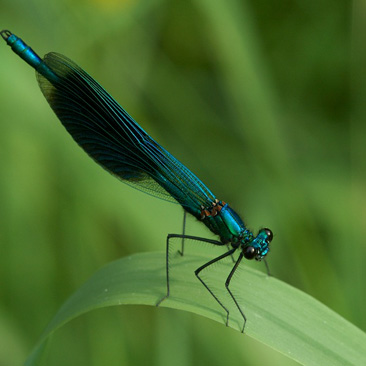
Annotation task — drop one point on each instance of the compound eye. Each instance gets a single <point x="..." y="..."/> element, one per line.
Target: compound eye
<point x="269" y="234"/>
<point x="250" y="252"/>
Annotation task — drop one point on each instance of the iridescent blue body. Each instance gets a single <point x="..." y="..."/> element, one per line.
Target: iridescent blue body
<point x="114" y="140"/>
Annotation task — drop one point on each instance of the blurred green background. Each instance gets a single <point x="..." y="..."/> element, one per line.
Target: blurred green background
<point x="264" y="101"/>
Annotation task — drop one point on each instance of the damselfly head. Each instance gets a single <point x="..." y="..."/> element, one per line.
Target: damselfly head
<point x="259" y="247"/>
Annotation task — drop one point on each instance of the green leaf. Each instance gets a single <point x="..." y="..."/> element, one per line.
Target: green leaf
<point x="278" y="315"/>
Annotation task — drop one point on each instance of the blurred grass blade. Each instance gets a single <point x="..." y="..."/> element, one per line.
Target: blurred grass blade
<point x="279" y="315"/>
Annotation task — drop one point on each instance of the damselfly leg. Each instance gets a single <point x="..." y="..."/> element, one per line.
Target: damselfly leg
<point x="183" y="237"/>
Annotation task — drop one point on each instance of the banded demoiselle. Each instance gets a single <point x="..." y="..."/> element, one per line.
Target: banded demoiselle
<point x="110" y="136"/>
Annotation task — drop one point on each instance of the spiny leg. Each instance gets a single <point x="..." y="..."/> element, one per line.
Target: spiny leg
<point x="232" y="255"/>
<point x="183" y="237"/>
<point x="198" y="270"/>
<point x="181" y="252"/>
<point x="227" y="283"/>
<point x="267" y="267"/>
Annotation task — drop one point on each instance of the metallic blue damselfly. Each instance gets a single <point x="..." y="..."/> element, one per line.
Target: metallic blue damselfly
<point x="110" y="136"/>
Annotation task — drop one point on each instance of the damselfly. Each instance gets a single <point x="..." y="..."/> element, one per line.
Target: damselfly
<point x="111" y="137"/>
